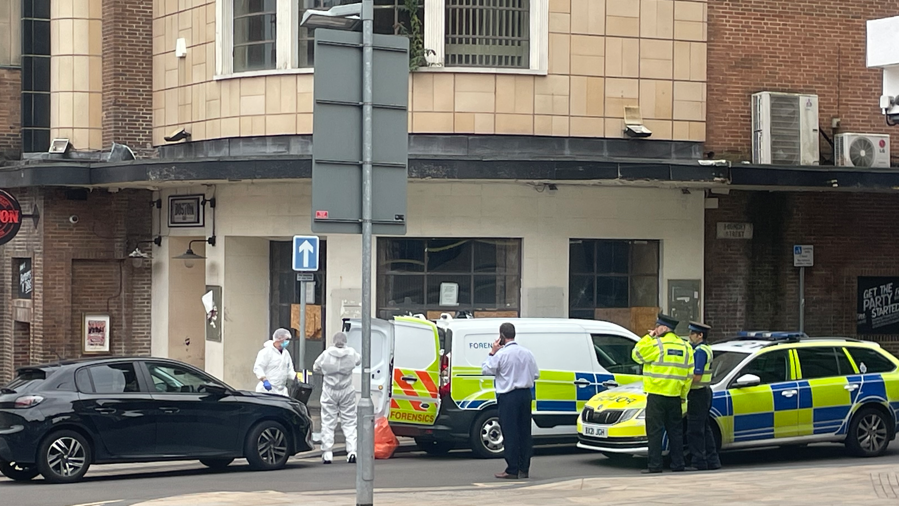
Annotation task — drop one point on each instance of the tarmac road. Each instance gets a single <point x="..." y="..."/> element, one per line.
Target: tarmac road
<point x="119" y="485"/>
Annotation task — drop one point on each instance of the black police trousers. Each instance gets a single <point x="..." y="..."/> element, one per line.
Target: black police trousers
<point x="700" y="440"/>
<point x="515" y="419"/>
<point x="664" y="414"/>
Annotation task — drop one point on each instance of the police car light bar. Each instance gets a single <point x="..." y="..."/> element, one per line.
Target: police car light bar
<point x="762" y="334"/>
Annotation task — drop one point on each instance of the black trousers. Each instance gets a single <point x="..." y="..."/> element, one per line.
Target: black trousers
<point x="700" y="440"/>
<point x="515" y="420"/>
<point x="663" y="414"/>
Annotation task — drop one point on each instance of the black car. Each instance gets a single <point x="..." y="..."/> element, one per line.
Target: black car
<point x="58" y="419"/>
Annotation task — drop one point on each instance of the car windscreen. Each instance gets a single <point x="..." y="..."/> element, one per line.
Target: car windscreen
<point x="723" y="362"/>
<point x="26" y="381"/>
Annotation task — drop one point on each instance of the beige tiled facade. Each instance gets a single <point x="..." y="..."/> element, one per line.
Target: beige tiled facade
<point x="76" y="72"/>
<point x="603" y="55"/>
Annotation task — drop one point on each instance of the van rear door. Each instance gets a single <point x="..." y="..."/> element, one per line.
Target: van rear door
<point x="416" y="372"/>
<point x="381" y="359"/>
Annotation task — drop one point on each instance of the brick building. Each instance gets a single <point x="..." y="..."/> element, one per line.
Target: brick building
<point x="526" y="196"/>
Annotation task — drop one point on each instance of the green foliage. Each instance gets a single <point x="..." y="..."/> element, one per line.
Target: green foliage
<point x="415" y="33"/>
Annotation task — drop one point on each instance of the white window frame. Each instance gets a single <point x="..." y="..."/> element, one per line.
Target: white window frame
<point x="435" y="40"/>
<point x="287" y="43"/>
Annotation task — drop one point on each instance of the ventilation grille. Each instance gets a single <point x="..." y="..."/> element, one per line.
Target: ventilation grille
<point x="785" y="135"/>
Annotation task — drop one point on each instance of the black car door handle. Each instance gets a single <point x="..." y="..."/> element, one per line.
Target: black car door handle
<point x="169" y="410"/>
<point x="610" y="384"/>
<point x="105" y="411"/>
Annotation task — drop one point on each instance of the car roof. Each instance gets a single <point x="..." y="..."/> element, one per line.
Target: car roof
<point x="76" y="362"/>
<point x="753" y="345"/>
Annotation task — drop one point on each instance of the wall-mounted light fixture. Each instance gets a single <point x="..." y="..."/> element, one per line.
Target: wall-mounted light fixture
<point x="189" y="257"/>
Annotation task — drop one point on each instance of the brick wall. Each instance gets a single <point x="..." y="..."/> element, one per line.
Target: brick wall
<point x="78" y="268"/>
<point x="10" y="114"/>
<point x="803" y="46"/>
<point x="752" y="284"/>
<point x="128" y="74"/>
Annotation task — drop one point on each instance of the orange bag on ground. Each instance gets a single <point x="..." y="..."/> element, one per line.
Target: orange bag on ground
<point x="385" y="442"/>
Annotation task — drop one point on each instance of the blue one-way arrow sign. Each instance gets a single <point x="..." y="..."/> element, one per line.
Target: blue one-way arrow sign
<point x="305" y="253"/>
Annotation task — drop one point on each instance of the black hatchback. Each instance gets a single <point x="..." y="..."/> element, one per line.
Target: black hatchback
<point x="58" y="419"/>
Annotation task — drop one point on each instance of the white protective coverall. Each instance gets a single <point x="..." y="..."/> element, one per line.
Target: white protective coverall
<point x="336" y="364"/>
<point x="275" y="366"/>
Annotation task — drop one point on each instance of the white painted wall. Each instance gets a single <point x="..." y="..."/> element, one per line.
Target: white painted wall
<point x="249" y="215"/>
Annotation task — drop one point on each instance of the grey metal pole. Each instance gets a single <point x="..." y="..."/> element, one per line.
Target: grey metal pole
<point x="802" y="299"/>
<point x="301" y="354"/>
<point x="365" y="470"/>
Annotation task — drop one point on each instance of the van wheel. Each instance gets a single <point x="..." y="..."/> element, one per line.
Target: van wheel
<point x="64" y="457"/>
<point x="18" y="472"/>
<point x="267" y="446"/>
<point x="869" y="433"/>
<point x="487" y="435"/>
<point x="432" y="447"/>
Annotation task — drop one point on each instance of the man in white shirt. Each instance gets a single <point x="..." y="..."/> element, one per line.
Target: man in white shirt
<point x="515" y="371"/>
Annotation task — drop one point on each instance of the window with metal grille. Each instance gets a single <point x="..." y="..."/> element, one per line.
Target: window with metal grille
<point x="254" y="35"/>
<point x="612" y="274"/>
<point x="487" y="33"/>
<point x="391" y="17"/>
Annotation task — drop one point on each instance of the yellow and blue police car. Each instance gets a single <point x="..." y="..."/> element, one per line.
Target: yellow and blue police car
<point x="771" y="389"/>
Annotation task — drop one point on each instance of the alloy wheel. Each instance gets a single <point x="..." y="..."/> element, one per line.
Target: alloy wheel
<point x="66" y="457"/>
<point x="492" y="435"/>
<point x="272" y="446"/>
<point x="872" y="433"/>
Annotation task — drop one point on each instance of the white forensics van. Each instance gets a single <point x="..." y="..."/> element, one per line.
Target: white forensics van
<point x="427" y="380"/>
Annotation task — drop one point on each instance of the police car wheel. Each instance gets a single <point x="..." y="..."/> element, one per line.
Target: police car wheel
<point x="869" y="433"/>
<point x="487" y="435"/>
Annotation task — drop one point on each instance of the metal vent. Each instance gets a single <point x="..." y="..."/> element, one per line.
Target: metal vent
<point x="607" y="417"/>
<point x="785" y="133"/>
<point x="487" y="33"/>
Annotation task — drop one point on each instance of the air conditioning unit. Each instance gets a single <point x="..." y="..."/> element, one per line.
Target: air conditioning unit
<point x="862" y="150"/>
<point x="784" y="129"/>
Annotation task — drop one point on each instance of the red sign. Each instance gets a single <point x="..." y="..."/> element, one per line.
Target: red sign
<point x="883" y="143"/>
<point x="321" y="215"/>
<point x="10" y="217"/>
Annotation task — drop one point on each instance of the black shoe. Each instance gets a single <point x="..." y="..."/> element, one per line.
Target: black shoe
<point x="522" y="475"/>
<point x="352" y="458"/>
<point x="651" y="471"/>
<point x="691" y="469"/>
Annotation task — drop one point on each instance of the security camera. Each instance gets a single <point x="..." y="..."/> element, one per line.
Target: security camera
<point x="178" y="135"/>
<point x="73" y="219"/>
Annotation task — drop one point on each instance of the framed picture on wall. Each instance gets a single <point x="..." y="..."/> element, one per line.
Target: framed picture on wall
<point x="186" y="211"/>
<point x="95" y="330"/>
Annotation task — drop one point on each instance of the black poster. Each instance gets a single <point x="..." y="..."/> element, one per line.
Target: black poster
<point x="878" y="305"/>
<point x="24" y="277"/>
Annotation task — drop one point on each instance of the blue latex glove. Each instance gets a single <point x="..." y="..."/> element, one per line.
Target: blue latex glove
<point x="267" y="385"/>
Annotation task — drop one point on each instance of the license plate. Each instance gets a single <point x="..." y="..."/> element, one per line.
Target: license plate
<point x="596" y="431"/>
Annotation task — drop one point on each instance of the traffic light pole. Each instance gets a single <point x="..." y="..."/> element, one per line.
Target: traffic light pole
<point x="365" y="470"/>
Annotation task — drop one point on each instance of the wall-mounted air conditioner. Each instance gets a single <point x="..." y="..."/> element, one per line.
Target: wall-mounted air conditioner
<point x="862" y="150"/>
<point x="784" y="129"/>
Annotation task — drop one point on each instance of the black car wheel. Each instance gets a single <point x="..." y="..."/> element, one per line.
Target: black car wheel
<point x="432" y="447"/>
<point x="64" y="457"/>
<point x="869" y="433"/>
<point x="267" y="446"/>
<point x="487" y="435"/>
<point x="216" y="463"/>
<point x="19" y="472"/>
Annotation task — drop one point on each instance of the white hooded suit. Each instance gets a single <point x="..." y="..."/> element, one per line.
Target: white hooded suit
<point x="275" y="366"/>
<point x="338" y="400"/>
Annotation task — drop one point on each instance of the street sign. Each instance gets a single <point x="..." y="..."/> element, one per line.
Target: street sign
<point x="305" y="277"/>
<point x="305" y="253"/>
<point x="803" y="256"/>
<point x="337" y="143"/>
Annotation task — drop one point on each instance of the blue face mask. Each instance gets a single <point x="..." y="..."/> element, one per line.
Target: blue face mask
<point x="284" y="344"/>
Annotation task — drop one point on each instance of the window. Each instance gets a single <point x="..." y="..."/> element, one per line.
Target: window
<point x="871" y="361"/>
<point x="614" y="354"/>
<point x="112" y="379"/>
<point x="487" y="33"/>
<point x="255" y="30"/>
<point x="771" y="367"/>
<point x="448" y="274"/>
<point x="824" y="362"/>
<point x="723" y="362"/>
<point x="174" y="379"/>
<point x="10" y="33"/>
<point x="612" y="274"/>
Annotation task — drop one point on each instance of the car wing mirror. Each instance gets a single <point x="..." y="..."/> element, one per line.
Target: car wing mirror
<point x="747" y="380"/>
<point x="213" y="389"/>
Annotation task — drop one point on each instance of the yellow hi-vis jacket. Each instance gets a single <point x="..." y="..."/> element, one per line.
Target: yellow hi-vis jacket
<point x="667" y="365"/>
<point x="706" y="378"/>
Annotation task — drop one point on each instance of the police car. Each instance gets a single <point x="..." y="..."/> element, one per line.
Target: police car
<point x="771" y="389"/>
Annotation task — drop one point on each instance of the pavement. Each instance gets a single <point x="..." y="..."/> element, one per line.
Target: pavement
<point x="844" y="485"/>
